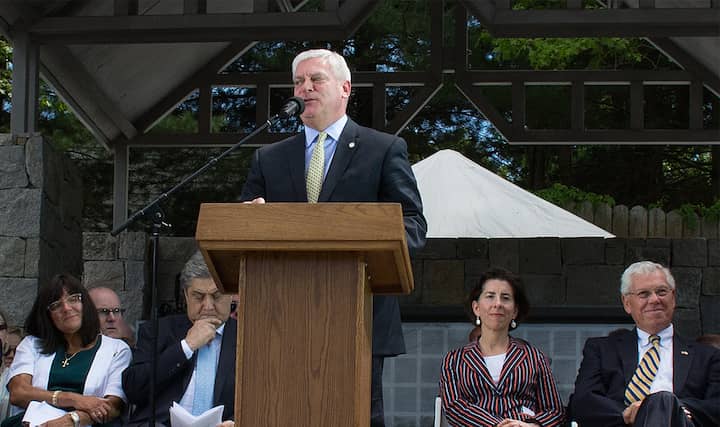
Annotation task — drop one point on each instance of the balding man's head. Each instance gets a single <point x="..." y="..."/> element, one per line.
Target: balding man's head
<point x="109" y="310"/>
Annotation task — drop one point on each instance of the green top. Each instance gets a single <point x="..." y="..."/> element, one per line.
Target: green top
<point x="69" y="373"/>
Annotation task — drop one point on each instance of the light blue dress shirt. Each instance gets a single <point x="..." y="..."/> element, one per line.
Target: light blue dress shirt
<point x="189" y="396"/>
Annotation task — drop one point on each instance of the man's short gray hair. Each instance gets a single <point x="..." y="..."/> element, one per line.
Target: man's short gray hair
<point x="336" y="62"/>
<point x="195" y="268"/>
<point x="644" y="267"/>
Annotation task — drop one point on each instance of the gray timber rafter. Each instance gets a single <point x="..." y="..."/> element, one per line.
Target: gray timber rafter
<point x="429" y="81"/>
<point x="202" y="77"/>
<point x="469" y="83"/>
<point x="351" y="15"/>
<point x="334" y="24"/>
<point x="515" y="129"/>
<point x="687" y="62"/>
<point x="502" y="21"/>
<point x="81" y="92"/>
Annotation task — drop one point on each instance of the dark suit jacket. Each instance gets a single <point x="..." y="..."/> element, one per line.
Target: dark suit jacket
<point x="368" y="166"/>
<point x="609" y="363"/>
<point x="174" y="370"/>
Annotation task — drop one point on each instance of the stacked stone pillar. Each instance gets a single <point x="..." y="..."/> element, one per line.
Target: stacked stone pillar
<point x="40" y="220"/>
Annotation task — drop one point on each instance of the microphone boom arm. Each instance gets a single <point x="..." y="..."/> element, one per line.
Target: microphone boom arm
<point x="293" y="106"/>
<point x="151" y="207"/>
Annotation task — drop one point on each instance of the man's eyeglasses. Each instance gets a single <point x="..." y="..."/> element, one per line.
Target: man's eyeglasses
<point x="647" y="293"/>
<point x="73" y="299"/>
<point x="106" y="311"/>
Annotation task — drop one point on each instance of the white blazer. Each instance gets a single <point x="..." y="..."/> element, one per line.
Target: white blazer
<point x="104" y="377"/>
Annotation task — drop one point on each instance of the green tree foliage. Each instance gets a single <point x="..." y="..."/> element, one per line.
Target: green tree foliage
<point x="5" y="84"/>
<point x="562" y="195"/>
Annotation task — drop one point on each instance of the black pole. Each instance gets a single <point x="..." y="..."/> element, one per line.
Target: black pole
<point x="155" y="238"/>
<point x="292" y="106"/>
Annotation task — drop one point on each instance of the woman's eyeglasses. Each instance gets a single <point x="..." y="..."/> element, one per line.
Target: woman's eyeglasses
<point x="73" y="299"/>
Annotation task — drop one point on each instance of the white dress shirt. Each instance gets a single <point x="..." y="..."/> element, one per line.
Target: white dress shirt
<point x="664" y="378"/>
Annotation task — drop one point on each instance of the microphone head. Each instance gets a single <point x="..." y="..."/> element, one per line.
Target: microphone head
<point x="292" y="107"/>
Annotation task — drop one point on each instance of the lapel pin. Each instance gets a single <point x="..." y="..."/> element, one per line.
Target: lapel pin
<point x="351" y="145"/>
<point x="684" y="353"/>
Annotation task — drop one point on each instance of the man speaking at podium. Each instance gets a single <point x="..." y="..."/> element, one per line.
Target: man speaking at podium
<point x="337" y="160"/>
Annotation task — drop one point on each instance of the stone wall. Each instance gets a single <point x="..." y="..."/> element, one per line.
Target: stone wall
<point x="567" y="280"/>
<point x="570" y="279"/>
<point x="123" y="264"/>
<point x="40" y="219"/>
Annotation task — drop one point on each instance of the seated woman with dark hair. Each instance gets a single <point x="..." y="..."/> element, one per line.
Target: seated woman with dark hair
<point x="499" y="380"/>
<point x="64" y="360"/>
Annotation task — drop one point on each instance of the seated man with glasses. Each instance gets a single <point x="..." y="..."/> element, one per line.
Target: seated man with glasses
<point x="110" y="314"/>
<point x="649" y="376"/>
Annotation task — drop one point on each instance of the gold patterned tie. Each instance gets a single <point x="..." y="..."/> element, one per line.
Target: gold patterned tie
<point x="316" y="169"/>
<point x="639" y="385"/>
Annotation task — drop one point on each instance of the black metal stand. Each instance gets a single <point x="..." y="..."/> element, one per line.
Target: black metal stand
<point x="152" y="210"/>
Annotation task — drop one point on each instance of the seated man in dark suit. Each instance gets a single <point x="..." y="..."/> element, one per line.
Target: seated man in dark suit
<point x="196" y="354"/>
<point x="649" y="376"/>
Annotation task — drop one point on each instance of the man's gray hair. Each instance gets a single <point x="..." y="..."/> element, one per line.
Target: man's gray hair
<point x="195" y="268"/>
<point x="644" y="267"/>
<point x="336" y="62"/>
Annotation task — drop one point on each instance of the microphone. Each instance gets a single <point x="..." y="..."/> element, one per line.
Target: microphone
<point x="292" y="107"/>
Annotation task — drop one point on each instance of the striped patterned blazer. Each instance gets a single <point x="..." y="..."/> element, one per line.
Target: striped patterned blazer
<point x="471" y="398"/>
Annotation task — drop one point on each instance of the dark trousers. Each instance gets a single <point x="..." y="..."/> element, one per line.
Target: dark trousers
<point x="661" y="409"/>
<point x="377" y="413"/>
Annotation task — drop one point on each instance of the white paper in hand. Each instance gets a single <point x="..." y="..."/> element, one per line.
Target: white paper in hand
<point x="41" y="412"/>
<point x="180" y="417"/>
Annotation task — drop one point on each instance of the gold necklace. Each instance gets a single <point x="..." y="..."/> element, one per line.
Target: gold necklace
<point x="66" y="361"/>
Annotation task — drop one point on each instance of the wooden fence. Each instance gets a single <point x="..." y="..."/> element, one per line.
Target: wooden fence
<point x="639" y="222"/>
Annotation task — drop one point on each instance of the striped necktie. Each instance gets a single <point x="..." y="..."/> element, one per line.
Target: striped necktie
<point x="316" y="169"/>
<point x="641" y="381"/>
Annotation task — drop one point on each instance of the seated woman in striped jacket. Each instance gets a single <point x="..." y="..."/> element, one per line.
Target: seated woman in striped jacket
<point x="499" y="380"/>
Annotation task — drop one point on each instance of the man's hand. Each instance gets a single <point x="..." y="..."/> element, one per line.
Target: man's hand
<point x="687" y="412"/>
<point x="630" y="412"/>
<point x="202" y="332"/>
<point x="507" y="422"/>
<point x="255" y="201"/>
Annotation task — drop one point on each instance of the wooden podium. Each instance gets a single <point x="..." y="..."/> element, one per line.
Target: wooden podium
<point x="305" y="275"/>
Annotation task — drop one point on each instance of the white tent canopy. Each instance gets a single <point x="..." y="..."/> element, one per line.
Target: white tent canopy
<point x="463" y="199"/>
